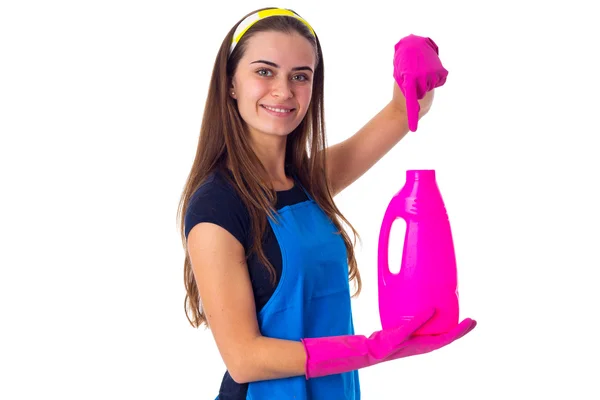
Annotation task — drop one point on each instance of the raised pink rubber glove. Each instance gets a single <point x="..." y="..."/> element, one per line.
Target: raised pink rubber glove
<point x="338" y="354"/>
<point x="417" y="70"/>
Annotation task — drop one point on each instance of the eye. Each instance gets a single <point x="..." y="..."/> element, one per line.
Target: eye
<point x="301" y="78"/>
<point x="264" y="72"/>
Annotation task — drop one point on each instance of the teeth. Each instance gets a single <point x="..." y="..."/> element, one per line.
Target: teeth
<point x="281" y="110"/>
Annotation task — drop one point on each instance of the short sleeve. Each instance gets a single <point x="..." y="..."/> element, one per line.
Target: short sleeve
<point x="218" y="203"/>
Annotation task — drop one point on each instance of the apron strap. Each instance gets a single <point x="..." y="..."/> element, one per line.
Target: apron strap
<point x="297" y="181"/>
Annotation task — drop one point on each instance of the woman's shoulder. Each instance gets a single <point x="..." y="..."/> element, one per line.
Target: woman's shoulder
<point x="217" y="201"/>
<point x="215" y="186"/>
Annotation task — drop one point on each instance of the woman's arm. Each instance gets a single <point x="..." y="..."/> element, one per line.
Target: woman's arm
<point x="349" y="160"/>
<point x="223" y="281"/>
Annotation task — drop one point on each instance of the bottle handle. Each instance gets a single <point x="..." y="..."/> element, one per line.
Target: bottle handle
<point x="385" y="275"/>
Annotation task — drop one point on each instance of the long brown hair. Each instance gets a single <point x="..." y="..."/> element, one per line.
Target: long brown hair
<point x="224" y="142"/>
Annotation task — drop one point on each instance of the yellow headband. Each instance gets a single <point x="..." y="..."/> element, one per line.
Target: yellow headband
<point x="254" y="18"/>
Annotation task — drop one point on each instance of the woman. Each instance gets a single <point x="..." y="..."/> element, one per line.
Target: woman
<point x="267" y="263"/>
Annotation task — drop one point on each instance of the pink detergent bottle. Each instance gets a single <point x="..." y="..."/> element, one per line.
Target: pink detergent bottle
<point x="428" y="273"/>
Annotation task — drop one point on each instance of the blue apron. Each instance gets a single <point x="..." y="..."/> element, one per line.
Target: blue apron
<point x="312" y="299"/>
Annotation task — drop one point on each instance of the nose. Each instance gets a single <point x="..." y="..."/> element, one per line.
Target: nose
<point x="282" y="89"/>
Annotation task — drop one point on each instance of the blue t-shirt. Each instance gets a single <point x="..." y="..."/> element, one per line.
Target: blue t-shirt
<point x="216" y="201"/>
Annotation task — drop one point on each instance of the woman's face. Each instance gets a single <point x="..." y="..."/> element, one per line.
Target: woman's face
<point x="273" y="82"/>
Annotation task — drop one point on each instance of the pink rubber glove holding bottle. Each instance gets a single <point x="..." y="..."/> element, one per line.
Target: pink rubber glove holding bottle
<point x="417" y="70"/>
<point x="338" y="354"/>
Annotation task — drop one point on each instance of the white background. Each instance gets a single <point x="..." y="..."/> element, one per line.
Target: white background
<point x="100" y="107"/>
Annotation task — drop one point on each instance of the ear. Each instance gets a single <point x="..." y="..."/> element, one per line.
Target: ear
<point x="232" y="91"/>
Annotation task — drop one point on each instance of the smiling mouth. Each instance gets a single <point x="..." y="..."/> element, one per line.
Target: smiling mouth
<point x="278" y="109"/>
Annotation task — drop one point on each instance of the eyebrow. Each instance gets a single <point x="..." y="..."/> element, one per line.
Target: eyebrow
<point x="272" y="64"/>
